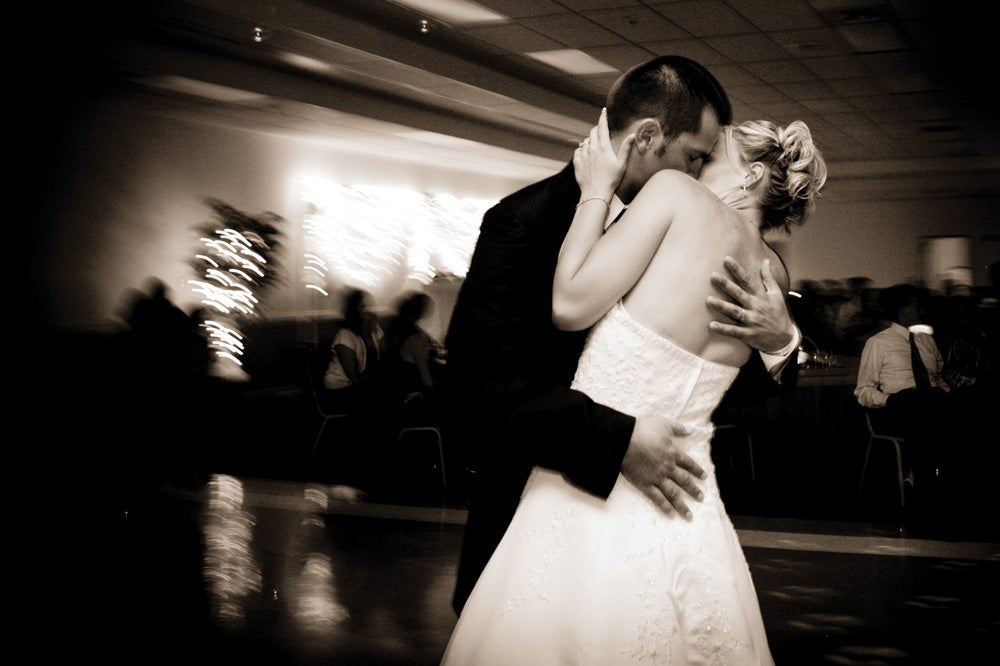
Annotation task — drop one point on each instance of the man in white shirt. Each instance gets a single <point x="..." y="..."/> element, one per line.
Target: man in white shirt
<point x="886" y="365"/>
<point x="888" y="384"/>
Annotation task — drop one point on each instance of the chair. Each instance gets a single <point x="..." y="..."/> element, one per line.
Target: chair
<point x="897" y="442"/>
<point x="434" y="430"/>
<point x="324" y="414"/>
<point x="414" y="421"/>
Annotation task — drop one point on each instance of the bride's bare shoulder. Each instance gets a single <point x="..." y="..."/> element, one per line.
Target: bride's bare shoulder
<point x="670" y="185"/>
<point x="672" y="178"/>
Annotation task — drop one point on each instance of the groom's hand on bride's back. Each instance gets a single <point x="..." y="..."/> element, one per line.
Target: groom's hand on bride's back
<point x="656" y="466"/>
<point x="758" y="309"/>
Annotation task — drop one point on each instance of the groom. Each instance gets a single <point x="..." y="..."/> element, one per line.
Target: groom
<point x="509" y="369"/>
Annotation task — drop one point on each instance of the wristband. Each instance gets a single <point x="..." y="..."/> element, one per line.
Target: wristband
<point x="606" y="203"/>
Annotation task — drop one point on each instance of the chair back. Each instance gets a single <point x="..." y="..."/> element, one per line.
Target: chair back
<point x="897" y="442"/>
<point x="314" y="377"/>
<point x="879" y="430"/>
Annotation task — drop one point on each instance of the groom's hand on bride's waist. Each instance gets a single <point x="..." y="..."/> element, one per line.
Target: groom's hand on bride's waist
<point x="661" y="470"/>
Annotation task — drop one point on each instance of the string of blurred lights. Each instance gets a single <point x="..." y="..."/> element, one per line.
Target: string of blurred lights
<point x="367" y="236"/>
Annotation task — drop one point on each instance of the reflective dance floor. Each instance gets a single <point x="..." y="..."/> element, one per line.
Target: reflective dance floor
<point x="243" y="570"/>
<point x="258" y="557"/>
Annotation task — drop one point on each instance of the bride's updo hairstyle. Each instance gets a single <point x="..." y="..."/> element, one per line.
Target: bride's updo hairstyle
<point x="796" y="168"/>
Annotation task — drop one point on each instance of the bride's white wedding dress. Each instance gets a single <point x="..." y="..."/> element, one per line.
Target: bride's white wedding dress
<point x="580" y="580"/>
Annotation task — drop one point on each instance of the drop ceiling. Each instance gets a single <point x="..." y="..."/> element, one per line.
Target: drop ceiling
<point x="888" y="88"/>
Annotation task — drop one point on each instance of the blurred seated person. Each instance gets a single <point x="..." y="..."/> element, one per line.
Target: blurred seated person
<point x="409" y="358"/>
<point x="858" y="316"/>
<point x="354" y="353"/>
<point x="967" y="330"/>
<point x="907" y="394"/>
<point x="159" y="338"/>
<point x="349" y="387"/>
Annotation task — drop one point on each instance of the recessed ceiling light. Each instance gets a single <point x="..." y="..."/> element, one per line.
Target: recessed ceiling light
<point x="572" y="61"/>
<point x="196" y="88"/>
<point x="455" y="12"/>
<point x="305" y="62"/>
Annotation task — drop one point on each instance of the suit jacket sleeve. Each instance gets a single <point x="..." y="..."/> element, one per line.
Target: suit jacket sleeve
<point x="507" y="363"/>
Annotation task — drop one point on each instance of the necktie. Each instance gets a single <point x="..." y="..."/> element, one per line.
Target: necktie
<point x="919" y="369"/>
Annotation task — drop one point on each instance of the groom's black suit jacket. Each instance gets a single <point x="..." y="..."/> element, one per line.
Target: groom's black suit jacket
<point x="509" y="370"/>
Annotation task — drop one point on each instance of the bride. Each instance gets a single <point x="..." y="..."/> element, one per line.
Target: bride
<point x="581" y="580"/>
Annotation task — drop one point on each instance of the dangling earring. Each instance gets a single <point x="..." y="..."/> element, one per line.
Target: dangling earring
<point x="744" y="186"/>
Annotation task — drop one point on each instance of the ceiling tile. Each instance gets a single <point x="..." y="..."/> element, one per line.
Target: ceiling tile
<point x="757" y="94"/>
<point x="780" y="70"/>
<point x="637" y="24"/>
<point x="837" y="67"/>
<point x="872" y="104"/>
<point x="514" y="37"/>
<point x="803" y="90"/>
<point x="844" y="118"/>
<point x="784" y="112"/>
<point x="778" y="14"/>
<point x="907" y="84"/>
<point x="703" y="18"/>
<point x="856" y="87"/>
<point x="810" y="43"/>
<point x="571" y="30"/>
<point x="893" y="65"/>
<point x="586" y="5"/>
<point x="873" y="37"/>
<point x="521" y="8"/>
<point x="861" y="131"/>
<point x="731" y="76"/>
<point x="690" y="48"/>
<point x="827" y="105"/>
<point x="748" y="47"/>
<point x="743" y="111"/>
<point x="621" y="56"/>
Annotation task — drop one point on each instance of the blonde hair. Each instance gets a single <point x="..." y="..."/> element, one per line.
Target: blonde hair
<point x="796" y="169"/>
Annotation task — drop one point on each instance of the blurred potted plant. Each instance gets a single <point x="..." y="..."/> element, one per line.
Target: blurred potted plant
<point x="236" y="266"/>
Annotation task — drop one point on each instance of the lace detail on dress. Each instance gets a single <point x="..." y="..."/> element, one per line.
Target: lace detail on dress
<point x="632" y="368"/>
<point x="547" y="544"/>
<point x="676" y="570"/>
<point x="658" y="624"/>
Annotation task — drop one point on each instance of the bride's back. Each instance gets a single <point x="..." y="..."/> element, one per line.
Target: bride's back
<point x="670" y="297"/>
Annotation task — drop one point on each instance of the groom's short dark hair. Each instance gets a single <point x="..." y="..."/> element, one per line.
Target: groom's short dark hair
<point x="673" y="89"/>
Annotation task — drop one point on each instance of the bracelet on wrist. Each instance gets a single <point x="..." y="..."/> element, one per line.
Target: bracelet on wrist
<point x="602" y="199"/>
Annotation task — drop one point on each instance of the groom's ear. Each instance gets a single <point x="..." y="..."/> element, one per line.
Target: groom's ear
<point x="646" y="134"/>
